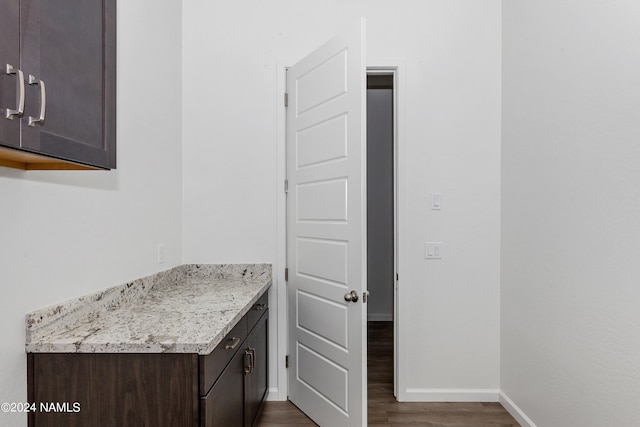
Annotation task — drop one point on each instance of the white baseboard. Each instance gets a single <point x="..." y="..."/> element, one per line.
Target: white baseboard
<point x="379" y="317"/>
<point x="449" y="395"/>
<point x="515" y="411"/>
<point x="274" y="394"/>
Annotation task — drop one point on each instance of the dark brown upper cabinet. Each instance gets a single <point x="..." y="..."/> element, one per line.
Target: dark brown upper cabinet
<point x="58" y="84"/>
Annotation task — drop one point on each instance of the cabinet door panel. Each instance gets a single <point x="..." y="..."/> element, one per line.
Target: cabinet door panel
<point x="9" y="54"/>
<point x="66" y="46"/>
<point x="256" y="381"/>
<point x="115" y="390"/>
<point x="223" y="406"/>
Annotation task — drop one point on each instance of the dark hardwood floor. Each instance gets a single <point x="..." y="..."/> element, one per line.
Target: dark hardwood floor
<point x="384" y="410"/>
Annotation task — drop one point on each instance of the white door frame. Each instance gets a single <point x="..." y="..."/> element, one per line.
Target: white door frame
<point x="278" y="372"/>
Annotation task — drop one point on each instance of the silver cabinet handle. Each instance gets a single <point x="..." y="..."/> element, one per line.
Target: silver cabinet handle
<point x="43" y="101"/>
<point x="351" y="296"/>
<point x="235" y="341"/>
<point x="251" y="354"/>
<point x="252" y="359"/>
<point x="247" y="365"/>
<point x="19" y="92"/>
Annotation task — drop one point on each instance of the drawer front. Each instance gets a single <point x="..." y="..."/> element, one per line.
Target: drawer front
<point x="257" y="310"/>
<point x="212" y="364"/>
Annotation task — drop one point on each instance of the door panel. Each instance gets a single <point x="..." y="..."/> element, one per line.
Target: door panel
<point x="323" y="201"/>
<point x="323" y="259"/>
<point x="323" y="82"/>
<point x="9" y="54"/>
<point x="323" y="376"/>
<point x="66" y="47"/>
<point x="323" y="317"/>
<point x="323" y="142"/>
<point x="326" y="225"/>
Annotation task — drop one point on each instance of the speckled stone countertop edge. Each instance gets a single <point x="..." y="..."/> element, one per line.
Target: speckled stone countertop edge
<point x="45" y="324"/>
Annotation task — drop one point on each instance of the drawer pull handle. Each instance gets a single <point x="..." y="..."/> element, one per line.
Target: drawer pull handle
<point x="19" y="92"/>
<point x="43" y="101"/>
<point x="251" y="353"/>
<point x="235" y="341"/>
<point x="260" y="307"/>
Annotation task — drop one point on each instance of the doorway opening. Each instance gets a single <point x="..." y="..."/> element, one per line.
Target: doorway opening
<point x="381" y="236"/>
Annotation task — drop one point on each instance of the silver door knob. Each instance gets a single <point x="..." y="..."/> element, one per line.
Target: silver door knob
<point x="351" y="296"/>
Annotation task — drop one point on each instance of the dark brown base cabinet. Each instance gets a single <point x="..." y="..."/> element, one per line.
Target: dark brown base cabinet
<point x="224" y="388"/>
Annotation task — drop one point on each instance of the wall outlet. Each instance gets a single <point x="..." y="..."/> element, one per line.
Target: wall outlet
<point x="433" y="250"/>
<point x="160" y="253"/>
<point x="436" y="201"/>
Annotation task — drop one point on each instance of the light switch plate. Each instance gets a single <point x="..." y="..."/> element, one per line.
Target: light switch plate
<point x="433" y="250"/>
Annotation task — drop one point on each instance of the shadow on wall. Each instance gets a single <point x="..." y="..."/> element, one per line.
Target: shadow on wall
<point x="97" y="180"/>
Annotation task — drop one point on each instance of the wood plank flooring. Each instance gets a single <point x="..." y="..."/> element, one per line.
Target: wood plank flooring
<point x="384" y="410"/>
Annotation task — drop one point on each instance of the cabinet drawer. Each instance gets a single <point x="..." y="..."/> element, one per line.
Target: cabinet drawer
<point x="257" y="310"/>
<point x="212" y="364"/>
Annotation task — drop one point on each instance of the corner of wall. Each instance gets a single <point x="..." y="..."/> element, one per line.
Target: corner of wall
<point x="515" y="411"/>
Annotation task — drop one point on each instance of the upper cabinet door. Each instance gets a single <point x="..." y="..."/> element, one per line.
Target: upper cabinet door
<point x="10" y="83"/>
<point x="68" y="58"/>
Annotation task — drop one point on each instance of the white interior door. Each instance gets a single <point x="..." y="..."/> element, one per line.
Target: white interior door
<point x="326" y="231"/>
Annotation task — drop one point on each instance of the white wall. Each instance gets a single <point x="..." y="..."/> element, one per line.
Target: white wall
<point x="452" y="51"/>
<point x="571" y="211"/>
<point x="68" y="233"/>
<point x="380" y="208"/>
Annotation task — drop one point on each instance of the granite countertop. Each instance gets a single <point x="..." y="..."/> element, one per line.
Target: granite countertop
<point x="188" y="309"/>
